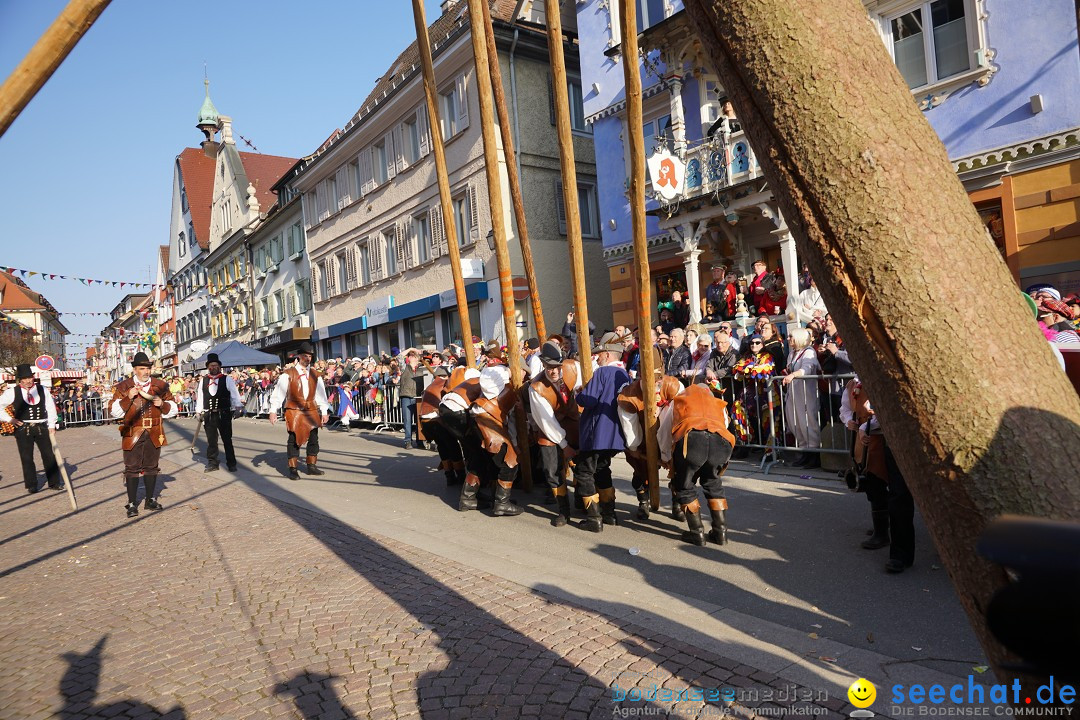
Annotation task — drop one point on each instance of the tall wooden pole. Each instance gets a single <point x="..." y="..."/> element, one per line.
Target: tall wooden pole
<point x="569" y="185"/>
<point x="502" y="254"/>
<point x="643" y="307"/>
<point x="512" y="173"/>
<point x="41" y="62"/>
<point x="431" y="93"/>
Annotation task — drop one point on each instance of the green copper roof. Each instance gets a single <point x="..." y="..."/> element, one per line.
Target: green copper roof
<point x="208" y="114"/>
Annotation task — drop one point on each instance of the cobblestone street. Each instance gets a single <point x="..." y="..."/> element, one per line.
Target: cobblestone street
<point x="230" y="605"/>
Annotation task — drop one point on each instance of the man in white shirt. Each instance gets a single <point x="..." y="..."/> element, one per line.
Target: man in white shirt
<point x="301" y="391"/>
<point x="216" y="402"/>
<point x="30" y="408"/>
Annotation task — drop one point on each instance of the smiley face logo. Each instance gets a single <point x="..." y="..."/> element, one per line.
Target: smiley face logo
<point x="862" y="693"/>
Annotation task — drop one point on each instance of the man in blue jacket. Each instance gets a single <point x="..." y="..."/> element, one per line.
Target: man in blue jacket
<point x="601" y="436"/>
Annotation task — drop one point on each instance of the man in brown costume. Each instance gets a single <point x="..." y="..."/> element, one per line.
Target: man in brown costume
<point x="301" y="391"/>
<point x="140" y="403"/>
<point x="451" y="461"/>
<point x="555" y="413"/>
<point x="632" y="420"/>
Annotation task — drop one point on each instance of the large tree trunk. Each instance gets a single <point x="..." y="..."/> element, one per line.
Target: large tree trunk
<point x="979" y="415"/>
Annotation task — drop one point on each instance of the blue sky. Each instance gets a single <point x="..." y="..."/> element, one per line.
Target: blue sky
<point x="87" y="168"/>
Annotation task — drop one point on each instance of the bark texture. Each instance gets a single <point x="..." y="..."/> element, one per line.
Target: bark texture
<point x="981" y="419"/>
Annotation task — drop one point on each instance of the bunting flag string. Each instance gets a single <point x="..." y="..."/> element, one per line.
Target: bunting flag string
<point x="85" y="281"/>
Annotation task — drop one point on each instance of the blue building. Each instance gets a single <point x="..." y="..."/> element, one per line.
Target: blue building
<point x="997" y="82"/>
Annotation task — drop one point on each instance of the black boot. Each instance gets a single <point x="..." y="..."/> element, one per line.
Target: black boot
<point x="579" y="504"/>
<point x="467" y="499"/>
<point x="801" y="460"/>
<point x="451" y="478"/>
<point x="293" y="473"/>
<point x="607" y="512"/>
<point x="152" y="504"/>
<point x="718" y="534"/>
<point x="880" y="538"/>
<point x="503" y="504"/>
<point x="564" y="511"/>
<point x="813" y="460"/>
<point x="312" y="469"/>
<point x="677" y="513"/>
<point x="549" y="497"/>
<point x="132" y="509"/>
<point x="643" y="506"/>
<point x="696" y="534"/>
<point x="459" y="476"/>
<point x="592" y="522"/>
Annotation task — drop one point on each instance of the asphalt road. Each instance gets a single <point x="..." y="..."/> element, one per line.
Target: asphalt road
<point x="791" y="588"/>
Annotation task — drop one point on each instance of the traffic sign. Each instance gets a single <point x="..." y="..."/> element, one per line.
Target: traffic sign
<point x="45" y="363"/>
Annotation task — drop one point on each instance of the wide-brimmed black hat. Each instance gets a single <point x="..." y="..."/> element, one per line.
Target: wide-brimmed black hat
<point x="305" y="348"/>
<point x="212" y="358"/>
<point x="23" y="371"/>
<point x="141" y="360"/>
<point x="551" y="355"/>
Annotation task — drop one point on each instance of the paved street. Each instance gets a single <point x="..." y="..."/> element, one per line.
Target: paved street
<point x="365" y="594"/>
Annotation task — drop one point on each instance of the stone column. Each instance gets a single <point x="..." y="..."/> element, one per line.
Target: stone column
<point x="678" y="119"/>
<point x="690" y="253"/>
<point x="790" y="261"/>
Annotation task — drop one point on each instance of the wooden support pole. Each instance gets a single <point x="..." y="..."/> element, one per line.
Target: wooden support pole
<point x="498" y="227"/>
<point x="431" y="94"/>
<point x="643" y="307"/>
<point x="569" y="185"/>
<point x="41" y="62"/>
<point x="512" y="174"/>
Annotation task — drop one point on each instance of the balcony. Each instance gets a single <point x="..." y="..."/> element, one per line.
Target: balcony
<point x="717" y="163"/>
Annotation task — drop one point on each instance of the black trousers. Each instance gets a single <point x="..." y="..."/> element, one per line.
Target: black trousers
<point x="592" y="471"/>
<point x="294" y="449"/>
<point x="497" y="469"/>
<point x="704" y="459"/>
<point x="28" y="435"/>
<point x="460" y="426"/>
<point x="447" y="444"/>
<point x="219" y="423"/>
<point x="551" y="464"/>
<point x="901" y="514"/>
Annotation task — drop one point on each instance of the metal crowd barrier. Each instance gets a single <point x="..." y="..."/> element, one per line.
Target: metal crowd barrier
<point x="381" y="416"/>
<point x="94" y="411"/>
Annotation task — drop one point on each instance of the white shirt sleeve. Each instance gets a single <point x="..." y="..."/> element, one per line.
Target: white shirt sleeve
<point x="281" y="389"/>
<point x="199" y="396"/>
<point x="6" y="399"/>
<point x="631" y="428"/>
<point x="535" y="366"/>
<point x="663" y="432"/>
<point x="847" y="414"/>
<point x="234" y="394"/>
<point x="320" y="398"/>
<point x="115" y="410"/>
<point x="50" y="410"/>
<point x="453" y="401"/>
<point x="174" y="407"/>
<point x="544" y="417"/>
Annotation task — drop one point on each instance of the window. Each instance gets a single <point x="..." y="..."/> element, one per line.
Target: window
<point x="276" y="255"/>
<point x="333" y="200"/>
<point x="455" y="108"/>
<point x="344" y="276"/>
<point x="365" y="264"/>
<point x="657" y="131"/>
<point x="421" y="231"/>
<point x="649" y="12"/>
<point x="389" y="237"/>
<point x="183" y="200"/>
<point x="452" y="322"/>
<point x="181" y="244"/>
<point x="421" y="331"/>
<point x="587" y="209"/>
<point x="410" y="138"/>
<point x="264" y="314"/>
<point x="929" y="41"/>
<point x="356" y="344"/>
<point x="576" y="101"/>
<point x="279" y="306"/>
<point x="241" y="267"/>
<point x="303" y="296"/>
<point x="378" y="162"/>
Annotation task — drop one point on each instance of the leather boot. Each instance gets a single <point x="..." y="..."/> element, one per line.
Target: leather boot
<point x="643" y="506"/>
<point x="459" y="472"/>
<point x="132" y="509"/>
<point x="451" y="478"/>
<point x="677" y="513"/>
<point x="579" y="504"/>
<point x="607" y="512"/>
<point x="564" y="509"/>
<point x="467" y="500"/>
<point x="696" y="534"/>
<point x="311" y="467"/>
<point x="880" y="538"/>
<point x="503" y="504"/>
<point x="293" y="474"/>
<point x="592" y="522"/>
<point x="718" y="534"/>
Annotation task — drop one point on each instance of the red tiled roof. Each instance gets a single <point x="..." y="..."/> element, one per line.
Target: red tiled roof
<point x="197" y="176"/>
<point x="263" y="172"/>
<point x="16" y="296"/>
<point x="164" y="250"/>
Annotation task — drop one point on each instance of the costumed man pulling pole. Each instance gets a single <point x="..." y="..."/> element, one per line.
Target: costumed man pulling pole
<point x="693" y="436"/>
<point x="455" y="417"/>
<point x="632" y="420"/>
<point x="30" y="408"/>
<point x="601" y="438"/>
<point x="301" y="391"/>
<point x="140" y="403"/>
<point x="450" y="458"/>
<point x="493" y="418"/>
<point x="217" y="403"/>
<point x="555" y="412"/>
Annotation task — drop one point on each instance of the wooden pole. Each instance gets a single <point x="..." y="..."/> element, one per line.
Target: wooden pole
<point x="431" y="94"/>
<point x="512" y="174"/>
<point x="46" y="55"/>
<point x="643" y="307"/>
<point x="502" y="254"/>
<point x="569" y="185"/>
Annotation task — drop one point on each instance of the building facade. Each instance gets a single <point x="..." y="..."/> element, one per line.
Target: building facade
<point x="166" y="320"/>
<point x="32" y="310"/>
<point x="133" y="329"/>
<point x="380" y="275"/>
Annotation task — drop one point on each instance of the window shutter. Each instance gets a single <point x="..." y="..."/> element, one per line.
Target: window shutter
<point x="352" y="170"/>
<point x="291" y="302"/>
<point x="375" y="257"/>
<point x="343" y="198"/>
<point x="560" y="207"/>
<point x="474" y="215"/>
<point x="399" y="247"/>
<point x="308" y="207"/>
<point x="424" y="130"/>
<point x="391" y="156"/>
<point x="438" y="231"/>
<point x="368" y="179"/>
<point x="350" y="266"/>
<point x="331" y="277"/>
<point x="324" y="207"/>
<point x="463" y="102"/>
<point x="408" y="232"/>
<point x="400" y="163"/>
<point x="551" y="99"/>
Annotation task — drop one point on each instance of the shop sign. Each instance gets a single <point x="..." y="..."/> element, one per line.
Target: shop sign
<point x="378" y="311"/>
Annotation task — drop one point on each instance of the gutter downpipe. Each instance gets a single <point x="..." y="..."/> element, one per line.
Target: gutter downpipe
<point x="513" y="85"/>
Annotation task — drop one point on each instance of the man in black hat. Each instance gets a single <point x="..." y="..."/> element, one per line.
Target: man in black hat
<point x="140" y="403"/>
<point x="301" y="391"/>
<point x="555" y="413"/>
<point x="30" y="408"/>
<point x="216" y="402"/>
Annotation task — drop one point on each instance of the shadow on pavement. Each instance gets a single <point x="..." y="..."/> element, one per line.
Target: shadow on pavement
<point x="79" y="688"/>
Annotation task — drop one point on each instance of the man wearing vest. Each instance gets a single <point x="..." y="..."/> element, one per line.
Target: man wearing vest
<point x="601" y="437"/>
<point x="556" y="415"/>
<point x="30" y="408"/>
<point x="216" y="403"/>
<point x="455" y="419"/>
<point x="301" y="391"/>
<point x="140" y="403"/>
<point x="693" y="436"/>
<point x="632" y="420"/>
<point x="450" y="457"/>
